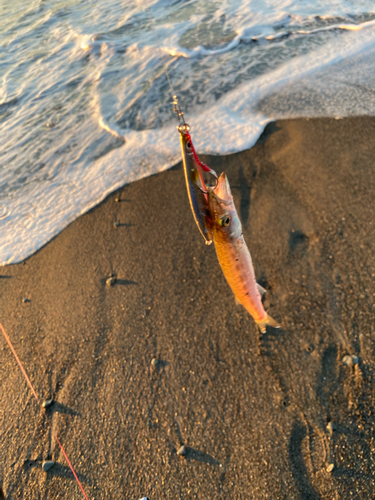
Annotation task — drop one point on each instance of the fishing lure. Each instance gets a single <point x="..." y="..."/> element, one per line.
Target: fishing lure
<point x="195" y="183"/>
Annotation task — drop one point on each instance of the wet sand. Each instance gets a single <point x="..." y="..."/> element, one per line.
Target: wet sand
<point x="251" y="410"/>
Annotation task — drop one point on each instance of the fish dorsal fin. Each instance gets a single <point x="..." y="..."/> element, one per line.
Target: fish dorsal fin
<point x="261" y="290"/>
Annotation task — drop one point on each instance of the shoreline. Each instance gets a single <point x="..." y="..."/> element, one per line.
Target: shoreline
<point x="251" y="410"/>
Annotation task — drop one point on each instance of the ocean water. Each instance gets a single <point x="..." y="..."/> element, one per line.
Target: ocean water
<point x="85" y="103"/>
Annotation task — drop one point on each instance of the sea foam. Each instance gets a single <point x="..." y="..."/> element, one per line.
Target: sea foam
<point x="91" y="110"/>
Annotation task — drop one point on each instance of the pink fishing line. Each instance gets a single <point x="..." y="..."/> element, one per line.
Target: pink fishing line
<point x="19" y="362"/>
<point x="36" y="397"/>
<point x="71" y="466"/>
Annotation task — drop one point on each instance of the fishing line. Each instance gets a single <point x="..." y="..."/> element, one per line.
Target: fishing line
<point x="36" y="397"/>
<point x="182" y="127"/>
<point x="71" y="466"/>
<point x="176" y="107"/>
<point x="19" y="362"/>
<point x="160" y="52"/>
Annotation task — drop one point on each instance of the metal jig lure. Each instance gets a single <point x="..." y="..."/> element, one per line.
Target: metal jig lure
<point x="195" y="183"/>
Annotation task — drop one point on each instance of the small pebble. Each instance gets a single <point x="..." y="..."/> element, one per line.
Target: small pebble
<point x="25" y="299"/>
<point x="350" y="360"/>
<point x="330" y="467"/>
<point x="154" y="362"/>
<point x="182" y="451"/>
<point x="47" y="403"/>
<point x="111" y="280"/>
<point x="47" y="465"/>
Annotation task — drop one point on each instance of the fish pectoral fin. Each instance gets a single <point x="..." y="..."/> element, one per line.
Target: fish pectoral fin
<point x="267" y="321"/>
<point x="261" y="290"/>
<point x="238" y="303"/>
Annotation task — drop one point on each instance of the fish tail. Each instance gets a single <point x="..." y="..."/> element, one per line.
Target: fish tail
<point x="267" y="321"/>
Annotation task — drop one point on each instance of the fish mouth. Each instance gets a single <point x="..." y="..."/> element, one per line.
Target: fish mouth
<point x="222" y="189"/>
<point x="216" y="199"/>
<point x="221" y="193"/>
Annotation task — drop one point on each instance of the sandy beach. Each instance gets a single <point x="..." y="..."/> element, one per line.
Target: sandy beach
<point x="165" y="358"/>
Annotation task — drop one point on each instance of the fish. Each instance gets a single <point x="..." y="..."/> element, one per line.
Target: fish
<point x="195" y="183"/>
<point x="233" y="254"/>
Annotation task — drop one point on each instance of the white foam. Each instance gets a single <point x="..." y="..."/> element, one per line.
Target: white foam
<point x="261" y="33"/>
<point x="106" y="101"/>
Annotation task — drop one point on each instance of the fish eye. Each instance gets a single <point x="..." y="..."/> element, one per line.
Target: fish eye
<point x="188" y="144"/>
<point x="224" y="221"/>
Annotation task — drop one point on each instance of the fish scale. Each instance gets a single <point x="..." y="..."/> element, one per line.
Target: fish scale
<point x="236" y="263"/>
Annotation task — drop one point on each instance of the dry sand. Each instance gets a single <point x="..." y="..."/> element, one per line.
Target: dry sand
<point x="252" y="411"/>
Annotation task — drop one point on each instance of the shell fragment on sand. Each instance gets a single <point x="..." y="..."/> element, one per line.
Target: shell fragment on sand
<point x="182" y="451"/>
<point x="111" y="281"/>
<point x="47" y="465"/>
<point x="350" y="360"/>
<point x="330" y="467"/>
